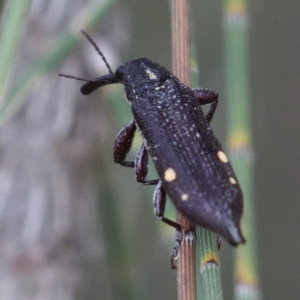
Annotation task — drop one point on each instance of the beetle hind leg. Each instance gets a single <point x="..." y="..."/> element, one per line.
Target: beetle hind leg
<point x="206" y="96"/>
<point x="159" y="201"/>
<point x="141" y="167"/>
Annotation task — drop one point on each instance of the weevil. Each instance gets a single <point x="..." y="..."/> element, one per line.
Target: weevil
<point x="192" y="166"/>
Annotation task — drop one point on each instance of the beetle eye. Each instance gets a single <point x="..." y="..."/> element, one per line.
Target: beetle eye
<point x="120" y="73"/>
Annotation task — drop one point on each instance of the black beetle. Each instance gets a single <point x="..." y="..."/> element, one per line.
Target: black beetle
<point x="192" y="167"/>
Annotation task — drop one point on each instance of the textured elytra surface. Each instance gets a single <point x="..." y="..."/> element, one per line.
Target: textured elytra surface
<point x="189" y="159"/>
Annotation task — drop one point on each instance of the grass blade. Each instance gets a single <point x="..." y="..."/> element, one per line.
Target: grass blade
<point x="14" y="15"/>
<point x="55" y="56"/>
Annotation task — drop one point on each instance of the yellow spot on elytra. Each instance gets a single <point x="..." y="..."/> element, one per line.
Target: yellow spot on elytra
<point x="222" y="157"/>
<point x="184" y="197"/>
<point x="232" y="180"/>
<point x="170" y="175"/>
<point x="151" y="74"/>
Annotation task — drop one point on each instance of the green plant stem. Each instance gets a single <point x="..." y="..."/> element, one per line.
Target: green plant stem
<point x="240" y="139"/>
<point x="209" y="283"/>
<point x="209" y="265"/>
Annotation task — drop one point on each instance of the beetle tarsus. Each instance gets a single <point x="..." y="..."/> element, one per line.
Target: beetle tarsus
<point x="128" y="164"/>
<point x="159" y="201"/>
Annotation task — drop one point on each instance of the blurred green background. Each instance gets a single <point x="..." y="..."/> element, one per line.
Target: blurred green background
<point x="105" y="242"/>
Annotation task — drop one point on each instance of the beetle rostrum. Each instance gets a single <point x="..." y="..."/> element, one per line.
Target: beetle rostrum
<point x="192" y="167"/>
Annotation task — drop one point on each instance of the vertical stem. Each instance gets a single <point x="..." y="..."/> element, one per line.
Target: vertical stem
<point x="186" y="274"/>
<point x="240" y="139"/>
<point x="210" y="265"/>
<point x="209" y="283"/>
<point x="181" y="44"/>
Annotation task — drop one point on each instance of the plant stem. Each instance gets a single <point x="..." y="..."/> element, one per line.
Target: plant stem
<point x="240" y="139"/>
<point x="210" y="265"/>
<point x="209" y="282"/>
<point x="186" y="273"/>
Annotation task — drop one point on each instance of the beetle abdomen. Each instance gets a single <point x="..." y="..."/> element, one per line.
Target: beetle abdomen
<point x="190" y="161"/>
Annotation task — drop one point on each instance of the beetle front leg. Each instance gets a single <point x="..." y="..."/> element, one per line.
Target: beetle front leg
<point x="206" y="96"/>
<point x="123" y="143"/>
<point x="141" y="167"/>
<point x="159" y="200"/>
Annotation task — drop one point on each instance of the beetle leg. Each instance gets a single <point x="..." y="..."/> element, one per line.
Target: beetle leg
<point x="206" y="96"/>
<point x="159" y="200"/>
<point x="141" y="167"/>
<point x="122" y="145"/>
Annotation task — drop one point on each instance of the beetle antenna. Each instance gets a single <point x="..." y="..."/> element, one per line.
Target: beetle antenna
<point x="98" y="50"/>
<point x="73" y="77"/>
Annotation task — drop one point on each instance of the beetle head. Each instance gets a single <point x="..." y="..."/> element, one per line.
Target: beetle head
<point x="132" y="74"/>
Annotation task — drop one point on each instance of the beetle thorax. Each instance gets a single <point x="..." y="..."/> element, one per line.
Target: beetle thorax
<point x="142" y="75"/>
